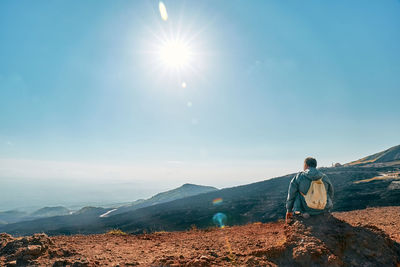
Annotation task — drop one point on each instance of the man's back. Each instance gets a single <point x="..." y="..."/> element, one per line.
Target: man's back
<point x="304" y="179"/>
<point x="299" y="187"/>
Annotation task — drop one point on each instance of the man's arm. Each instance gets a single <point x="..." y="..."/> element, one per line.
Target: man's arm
<point x="330" y="190"/>
<point x="292" y="193"/>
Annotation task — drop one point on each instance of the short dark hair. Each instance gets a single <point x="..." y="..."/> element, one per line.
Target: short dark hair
<point x="311" y="162"/>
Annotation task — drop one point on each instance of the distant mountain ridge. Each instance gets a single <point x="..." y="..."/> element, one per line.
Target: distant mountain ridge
<point x="13" y="216"/>
<point x="387" y="156"/>
<point x="51" y="211"/>
<point x="186" y="190"/>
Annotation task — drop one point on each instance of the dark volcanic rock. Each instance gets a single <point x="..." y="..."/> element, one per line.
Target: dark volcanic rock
<point x="4" y="239"/>
<point x="66" y="262"/>
<point x="62" y="263"/>
<point x="26" y="249"/>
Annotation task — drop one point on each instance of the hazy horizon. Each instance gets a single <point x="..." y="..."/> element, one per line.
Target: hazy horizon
<point x="112" y="101"/>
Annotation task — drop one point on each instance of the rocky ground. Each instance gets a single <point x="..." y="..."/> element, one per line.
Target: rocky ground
<point x="364" y="238"/>
<point x="387" y="219"/>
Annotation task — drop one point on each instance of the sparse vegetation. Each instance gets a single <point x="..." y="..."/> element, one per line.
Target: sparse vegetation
<point x="160" y="232"/>
<point x="382" y="177"/>
<point x="116" y="232"/>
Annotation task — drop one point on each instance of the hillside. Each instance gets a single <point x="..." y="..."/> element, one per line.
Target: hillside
<point x="51" y="211"/>
<point x="90" y="214"/>
<point x="388" y="156"/>
<point x="368" y="239"/>
<point x="13" y="216"/>
<point x="355" y="188"/>
<point x="186" y="190"/>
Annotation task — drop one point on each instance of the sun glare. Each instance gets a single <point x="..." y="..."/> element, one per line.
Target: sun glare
<point x="176" y="48"/>
<point x="175" y="54"/>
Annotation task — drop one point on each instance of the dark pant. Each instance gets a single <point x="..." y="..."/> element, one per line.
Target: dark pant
<point x="297" y="206"/>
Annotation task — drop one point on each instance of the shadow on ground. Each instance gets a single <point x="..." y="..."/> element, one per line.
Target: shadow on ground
<point x="324" y="240"/>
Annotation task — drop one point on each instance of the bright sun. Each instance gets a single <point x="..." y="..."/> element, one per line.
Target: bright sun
<point x="175" y="54"/>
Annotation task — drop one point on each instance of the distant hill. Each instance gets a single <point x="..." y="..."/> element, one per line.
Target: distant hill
<point x="91" y="211"/>
<point x="51" y="211"/>
<point x="12" y="216"/>
<point x="64" y="221"/>
<point x="183" y="191"/>
<point x="186" y="190"/>
<point x="391" y="155"/>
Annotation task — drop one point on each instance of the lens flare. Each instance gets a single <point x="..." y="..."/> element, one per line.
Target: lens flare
<point x="217" y="201"/>
<point x="163" y="11"/>
<point x="220" y="219"/>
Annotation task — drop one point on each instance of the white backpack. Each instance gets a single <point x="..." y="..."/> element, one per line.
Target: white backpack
<point x="316" y="196"/>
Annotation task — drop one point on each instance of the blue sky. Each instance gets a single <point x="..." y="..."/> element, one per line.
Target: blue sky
<point x="84" y="98"/>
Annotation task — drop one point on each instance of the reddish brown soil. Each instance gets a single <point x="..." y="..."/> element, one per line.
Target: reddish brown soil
<point x="387" y="219"/>
<point x="300" y="243"/>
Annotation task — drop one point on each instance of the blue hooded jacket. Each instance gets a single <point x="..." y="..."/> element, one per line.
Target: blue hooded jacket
<point x="301" y="183"/>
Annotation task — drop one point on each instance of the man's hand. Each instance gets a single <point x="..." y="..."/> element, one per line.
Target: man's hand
<point x="289" y="216"/>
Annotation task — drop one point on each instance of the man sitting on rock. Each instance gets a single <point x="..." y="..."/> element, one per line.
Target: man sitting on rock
<point x="310" y="192"/>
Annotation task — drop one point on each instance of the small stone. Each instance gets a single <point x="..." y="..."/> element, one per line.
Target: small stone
<point x="212" y="253"/>
<point x="34" y="250"/>
<point x="11" y="264"/>
<point x="205" y="258"/>
<point x="132" y="263"/>
<point x="61" y="263"/>
<point x="80" y="264"/>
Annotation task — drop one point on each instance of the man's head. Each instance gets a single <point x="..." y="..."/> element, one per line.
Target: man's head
<point x="310" y="162"/>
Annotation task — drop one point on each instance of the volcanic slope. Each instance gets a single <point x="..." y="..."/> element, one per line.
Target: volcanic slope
<point x="387" y="157"/>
